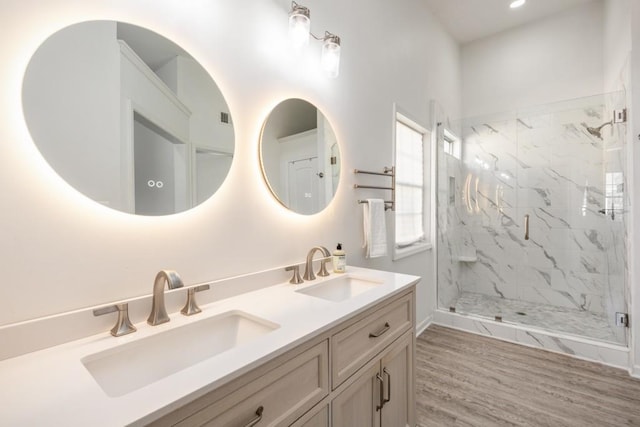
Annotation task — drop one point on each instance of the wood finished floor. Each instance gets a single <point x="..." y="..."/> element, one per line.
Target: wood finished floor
<point x="464" y="379"/>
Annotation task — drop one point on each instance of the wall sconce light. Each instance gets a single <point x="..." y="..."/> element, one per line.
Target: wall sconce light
<point x="299" y="32"/>
<point x="299" y="25"/>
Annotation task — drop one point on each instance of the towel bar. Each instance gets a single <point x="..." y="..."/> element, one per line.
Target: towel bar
<point x="389" y="172"/>
<point x="388" y="204"/>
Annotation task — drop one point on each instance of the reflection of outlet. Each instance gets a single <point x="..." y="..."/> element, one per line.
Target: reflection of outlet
<point x="157" y="184"/>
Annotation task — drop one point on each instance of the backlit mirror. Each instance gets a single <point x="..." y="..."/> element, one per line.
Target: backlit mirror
<point x="128" y="118"/>
<point x="300" y="156"/>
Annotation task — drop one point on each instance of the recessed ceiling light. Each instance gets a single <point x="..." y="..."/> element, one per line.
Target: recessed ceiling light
<point x="517" y="3"/>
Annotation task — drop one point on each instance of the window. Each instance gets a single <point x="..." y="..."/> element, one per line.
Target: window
<point x="613" y="196"/>
<point x="413" y="195"/>
<point x="451" y="144"/>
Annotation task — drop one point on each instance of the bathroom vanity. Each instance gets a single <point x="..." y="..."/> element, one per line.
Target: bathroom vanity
<point x="336" y="351"/>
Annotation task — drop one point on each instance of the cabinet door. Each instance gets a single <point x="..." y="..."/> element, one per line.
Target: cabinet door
<point x="357" y="405"/>
<point x="399" y="387"/>
<point x="318" y="417"/>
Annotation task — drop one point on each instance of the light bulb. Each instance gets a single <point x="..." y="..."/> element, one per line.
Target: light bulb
<point x="299" y="25"/>
<point x="331" y="55"/>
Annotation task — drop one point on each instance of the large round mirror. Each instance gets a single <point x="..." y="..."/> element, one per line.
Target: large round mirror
<point x="128" y="118"/>
<point x="300" y="156"/>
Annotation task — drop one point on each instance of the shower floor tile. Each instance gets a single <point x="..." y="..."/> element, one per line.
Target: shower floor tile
<point x="559" y="319"/>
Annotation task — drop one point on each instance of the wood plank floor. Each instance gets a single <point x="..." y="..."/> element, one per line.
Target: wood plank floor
<point x="464" y="379"/>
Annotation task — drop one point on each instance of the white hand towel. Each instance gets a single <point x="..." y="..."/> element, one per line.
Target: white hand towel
<point x="375" y="228"/>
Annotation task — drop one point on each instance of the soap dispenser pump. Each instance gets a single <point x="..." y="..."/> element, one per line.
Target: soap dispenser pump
<point x="339" y="260"/>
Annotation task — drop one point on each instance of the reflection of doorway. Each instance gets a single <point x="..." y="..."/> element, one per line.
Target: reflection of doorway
<point x="159" y="170"/>
<point x="211" y="168"/>
<point x="304" y="184"/>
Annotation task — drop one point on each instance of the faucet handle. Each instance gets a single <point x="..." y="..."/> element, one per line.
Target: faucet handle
<point x="191" y="307"/>
<point x="123" y="324"/>
<point x="323" y="267"/>
<point x="296" y="279"/>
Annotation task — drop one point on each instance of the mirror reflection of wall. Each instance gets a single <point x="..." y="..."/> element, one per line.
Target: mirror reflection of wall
<point x="116" y="109"/>
<point x="300" y="156"/>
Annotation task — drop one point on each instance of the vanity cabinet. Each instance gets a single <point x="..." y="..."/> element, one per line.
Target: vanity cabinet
<point x="382" y="393"/>
<point x="272" y="395"/>
<point x="359" y="373"/>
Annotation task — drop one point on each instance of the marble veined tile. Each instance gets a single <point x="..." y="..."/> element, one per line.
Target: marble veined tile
<point x="540" y="162"/>
<point x="552" y="318"/>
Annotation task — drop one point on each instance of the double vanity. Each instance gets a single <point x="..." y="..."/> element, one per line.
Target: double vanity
<point x="264" y="349"/>
<point x="338" y="350"/>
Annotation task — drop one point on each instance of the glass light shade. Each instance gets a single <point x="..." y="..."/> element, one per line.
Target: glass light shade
<point x="331" y="56"/>
<point x="299" y="27"/>
<point x="517" y="3"/>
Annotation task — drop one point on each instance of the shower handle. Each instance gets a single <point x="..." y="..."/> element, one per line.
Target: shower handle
<point x="526" y="227"/>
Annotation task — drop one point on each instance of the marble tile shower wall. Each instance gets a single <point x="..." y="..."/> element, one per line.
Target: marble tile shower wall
<point x="546" y="165"/>
<point x="450" y="227"/>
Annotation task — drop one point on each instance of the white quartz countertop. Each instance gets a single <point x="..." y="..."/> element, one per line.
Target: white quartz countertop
<point x="53" y="387"/>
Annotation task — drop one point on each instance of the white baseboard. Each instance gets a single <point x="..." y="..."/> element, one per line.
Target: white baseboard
<point x="420" y="327"/>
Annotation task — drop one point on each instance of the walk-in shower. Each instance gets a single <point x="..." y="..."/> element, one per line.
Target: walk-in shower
<point x="532" y="218"/>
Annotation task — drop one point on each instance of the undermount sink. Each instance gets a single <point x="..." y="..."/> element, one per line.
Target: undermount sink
<point x="340" y="289"/>
<point x="128" y="367"/>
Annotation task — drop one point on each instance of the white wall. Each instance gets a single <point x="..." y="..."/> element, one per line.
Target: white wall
<point x="557" y="58"/>
<point x="634" y="129"/>
<point x="62" y="251"/>
<point x="616" y="43"/>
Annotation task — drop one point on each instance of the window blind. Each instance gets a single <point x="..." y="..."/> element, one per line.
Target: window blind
<point x="409" y="185"/>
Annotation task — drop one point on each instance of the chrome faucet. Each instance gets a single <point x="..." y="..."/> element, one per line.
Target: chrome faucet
<point x="308" y="269"/>
<point x="158" y="310"/>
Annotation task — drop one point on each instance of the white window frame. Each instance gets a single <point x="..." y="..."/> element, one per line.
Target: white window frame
<point x="452" y="145"/>
<point x="428" y="217"/>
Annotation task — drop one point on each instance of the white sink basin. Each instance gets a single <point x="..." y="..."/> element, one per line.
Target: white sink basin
<point x="341" y="288"/>
<point x="128" y="367"/>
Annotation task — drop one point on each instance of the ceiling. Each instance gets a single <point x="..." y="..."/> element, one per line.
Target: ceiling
<point x="468" y="20"/>
<point x="154" y="49"/>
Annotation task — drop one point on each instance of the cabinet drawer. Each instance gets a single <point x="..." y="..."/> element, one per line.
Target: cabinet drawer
<point x="283" y="393"/>
<point x="352" y="347"/>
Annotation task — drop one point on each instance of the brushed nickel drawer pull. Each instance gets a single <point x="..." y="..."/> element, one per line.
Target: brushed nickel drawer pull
<point x="388" y="399"/>
<point x="257" y="419"/>
<point x="381" y="381"/>
<point x="384" y="329"/>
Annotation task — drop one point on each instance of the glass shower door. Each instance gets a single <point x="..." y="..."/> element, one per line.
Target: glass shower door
<point x="535" y="232"/>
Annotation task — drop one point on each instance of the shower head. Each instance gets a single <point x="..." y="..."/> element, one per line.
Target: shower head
<point x="596" y="131"/>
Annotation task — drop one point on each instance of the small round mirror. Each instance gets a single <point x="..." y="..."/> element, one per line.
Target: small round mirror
<point x="300" y="156"/>
<point x="128" y="118"/>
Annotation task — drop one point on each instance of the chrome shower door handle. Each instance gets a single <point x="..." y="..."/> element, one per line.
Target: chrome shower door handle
<point x="526" y="227"/>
